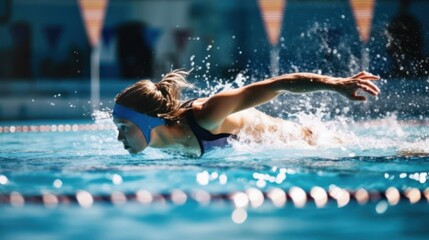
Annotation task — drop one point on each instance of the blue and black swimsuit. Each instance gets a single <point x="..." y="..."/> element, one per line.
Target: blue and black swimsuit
<point x="206" y="139"/>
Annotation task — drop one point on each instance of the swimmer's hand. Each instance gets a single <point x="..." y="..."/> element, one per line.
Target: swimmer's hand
<point x="350" y="86"/>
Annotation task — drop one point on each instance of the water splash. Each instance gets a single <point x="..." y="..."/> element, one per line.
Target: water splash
<point x="339" y="127"/>
<point x="324" y="48"/>
<point x="99" y="116"/>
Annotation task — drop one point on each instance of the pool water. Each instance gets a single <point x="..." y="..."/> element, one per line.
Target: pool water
<point x="154" y="195"/>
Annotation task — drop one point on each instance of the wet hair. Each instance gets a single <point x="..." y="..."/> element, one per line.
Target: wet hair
<point x="160" y="99"/>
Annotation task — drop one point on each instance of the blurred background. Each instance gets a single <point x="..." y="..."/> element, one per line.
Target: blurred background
<point x="63" y="59"/>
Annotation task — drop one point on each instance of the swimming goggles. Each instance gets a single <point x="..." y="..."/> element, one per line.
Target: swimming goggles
<point x="145" y="122"/>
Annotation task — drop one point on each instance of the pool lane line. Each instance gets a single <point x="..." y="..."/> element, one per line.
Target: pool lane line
<point x="110" y="126"/>
<point x="57" y="128"/>
<point x="251" y="197"/>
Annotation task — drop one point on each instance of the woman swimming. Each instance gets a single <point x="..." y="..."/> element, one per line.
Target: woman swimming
<point x="152" y="114"/>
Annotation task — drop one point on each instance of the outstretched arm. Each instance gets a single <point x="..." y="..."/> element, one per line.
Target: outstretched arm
<point x="222" y="104"/>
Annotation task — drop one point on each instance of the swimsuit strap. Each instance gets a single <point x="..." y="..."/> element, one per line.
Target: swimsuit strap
<point x="206" y="139"/>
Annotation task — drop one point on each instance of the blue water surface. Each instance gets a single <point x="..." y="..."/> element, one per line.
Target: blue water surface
<point x="63" y="163"/>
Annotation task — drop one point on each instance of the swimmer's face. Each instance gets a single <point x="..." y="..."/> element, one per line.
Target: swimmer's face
<point x="130" y="135"/>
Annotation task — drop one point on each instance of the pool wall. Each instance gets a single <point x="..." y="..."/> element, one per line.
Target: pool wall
<point x="45" y="67"/>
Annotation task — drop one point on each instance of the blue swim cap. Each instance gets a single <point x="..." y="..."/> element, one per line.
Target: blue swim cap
<point x="145" y="122"/>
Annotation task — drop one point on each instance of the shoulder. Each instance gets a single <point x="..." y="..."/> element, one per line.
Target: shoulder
<point x="198" y="104"/>
<point x="201" y="114"/>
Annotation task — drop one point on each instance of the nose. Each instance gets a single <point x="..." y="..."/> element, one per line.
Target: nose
<point x="121" y="137"/>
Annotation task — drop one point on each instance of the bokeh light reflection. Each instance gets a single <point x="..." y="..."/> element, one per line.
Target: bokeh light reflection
<point x="342" y="196"/>
<point x="117" y="179"/>
<point x="393" y="196"/>
<point x="202" y="197"/>
<point x="381" y="207"/>
<point x="413" y="194"/>
<point x="16" y="199"/>
<point x="50" y="200"/>
<point x="223" y="179"/>
<point x="178" y="197"/>
<point x="144" y="197"/>
<point x="239" y="215"/>
<point x="277" y="196"/>
<point x="255" y="196"/>
<point x="57" y="183"/>
<point x="362" y="196"/>
<point x="320" y="196"/>
<point x="203" y="178"/>
<point x="84" y="199"/>
<point x="118" y="198"/>
<point x="3" y="180"/>
<point x="298" y="196"/>
<point x="240" y="199"/>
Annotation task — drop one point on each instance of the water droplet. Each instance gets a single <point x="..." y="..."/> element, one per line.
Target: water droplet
<point x="203" y="178"/>
<point x="239" y="216"/>
<point x="223" y="179"/>
<point x="381" y="207"/>
<point x="57" y="183"/>
<point x="117" y="179"/>
<point x="3" y="180"/>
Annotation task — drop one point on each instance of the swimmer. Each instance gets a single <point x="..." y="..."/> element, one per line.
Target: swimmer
<point x="151" y="114"/>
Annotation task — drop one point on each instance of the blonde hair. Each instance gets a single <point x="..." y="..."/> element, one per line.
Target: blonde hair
<point x="160" y="99"/>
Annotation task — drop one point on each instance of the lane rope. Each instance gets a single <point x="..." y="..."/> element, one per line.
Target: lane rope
<point x="110" y="126"/>
<point x="57" y="128"/>
<point x="251" y="197"/>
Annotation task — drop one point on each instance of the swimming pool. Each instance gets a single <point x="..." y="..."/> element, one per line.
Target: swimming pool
<point x="72" y="179"/>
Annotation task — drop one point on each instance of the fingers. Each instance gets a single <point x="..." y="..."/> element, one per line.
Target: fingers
<point x="360" y="74"/>
<point x="369" y="87"/>
<point x="370" y="77"/>
<point x="366" y="76"/>
<point x="356" y="97"/>
<point x="373" y="86"/>
<point x="361" y="81"/>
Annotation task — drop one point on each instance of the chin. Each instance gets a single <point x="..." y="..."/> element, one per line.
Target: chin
<point x="132" y="151"/>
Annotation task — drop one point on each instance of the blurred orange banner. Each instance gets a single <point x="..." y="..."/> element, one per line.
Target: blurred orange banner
<point x="272" y="12"/>
<point x="363" y="11"/>
<point x="93" y="12"/>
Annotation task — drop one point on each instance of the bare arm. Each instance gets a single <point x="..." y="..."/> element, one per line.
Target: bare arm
<point x="219" y="106"/>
